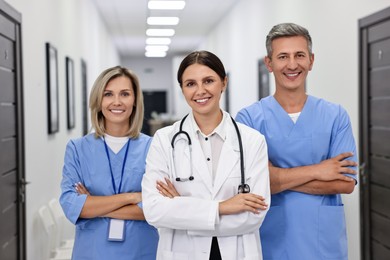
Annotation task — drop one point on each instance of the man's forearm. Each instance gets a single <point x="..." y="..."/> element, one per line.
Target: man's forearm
<point x="282" y="179"/>
<point x="326" y="177"/>
<point x="326" y="187"/>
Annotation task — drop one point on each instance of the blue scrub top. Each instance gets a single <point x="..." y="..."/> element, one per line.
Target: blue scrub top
<point x="86" y="162"/>
<point x="299" y="225"/>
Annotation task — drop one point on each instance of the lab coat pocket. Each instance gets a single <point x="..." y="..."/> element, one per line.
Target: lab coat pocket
<point x="332" y="232"/>
<point x="252" y="257"/>
<point x="231" y="186"/>
<point x="169" y="255"/>
<point x="272" y="233"/>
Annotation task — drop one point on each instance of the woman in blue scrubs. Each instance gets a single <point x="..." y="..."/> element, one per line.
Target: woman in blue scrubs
<point x="312" y="156"/>
<point x="102" y="173"/>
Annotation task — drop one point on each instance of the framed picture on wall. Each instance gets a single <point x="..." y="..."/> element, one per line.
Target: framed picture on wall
<point x="227" y="95"/>
<point x="70" y="103"/>
<point x="264" y="85"/>
<point x="84" y="103"/>
<point x="52" y="88"/>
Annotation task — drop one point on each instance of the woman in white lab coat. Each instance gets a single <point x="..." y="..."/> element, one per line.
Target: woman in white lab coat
<point x="190" y="189"/>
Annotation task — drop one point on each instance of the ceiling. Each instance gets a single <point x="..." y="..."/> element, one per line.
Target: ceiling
<point x="126" y="22"/>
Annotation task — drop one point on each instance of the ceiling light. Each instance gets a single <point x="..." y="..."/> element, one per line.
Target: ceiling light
<point x="153" y="48"/>
<point x="163" y="20"/>
<point x="155" y="54"/>
<point x="166" y="5"/>
<point x="158" y="41"/>
<point x="160" y="32"/>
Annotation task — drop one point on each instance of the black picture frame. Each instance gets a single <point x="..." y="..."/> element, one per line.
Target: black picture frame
<point x="227" y="94"/>
<point x="84" y="101"/>
<point x="70" y="96"/>
<point x="52" y="88"/>
<point x="264" y="82"/>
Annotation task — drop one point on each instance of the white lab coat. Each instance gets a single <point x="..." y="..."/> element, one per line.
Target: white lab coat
<point x="188" y="223"/>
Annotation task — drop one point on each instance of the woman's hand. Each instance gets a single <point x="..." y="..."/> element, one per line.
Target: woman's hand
<point x="167" y="189"/>
<point x="80" y="188"/>
<point x="242" y="202"/>
<point x="134" y="197"/>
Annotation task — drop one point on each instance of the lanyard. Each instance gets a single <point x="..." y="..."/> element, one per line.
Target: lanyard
<point x="123" y="166"/>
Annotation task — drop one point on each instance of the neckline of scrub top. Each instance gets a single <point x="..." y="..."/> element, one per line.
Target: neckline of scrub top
<point x="123" y="166"/>
<point x="287" y="126"/>
<point x="115" y="143"/>
<point x="294" y="116"/>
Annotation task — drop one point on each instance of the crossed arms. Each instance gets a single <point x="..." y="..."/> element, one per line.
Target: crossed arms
<point x="119" y="206"/>
<point x="326" y="177"/>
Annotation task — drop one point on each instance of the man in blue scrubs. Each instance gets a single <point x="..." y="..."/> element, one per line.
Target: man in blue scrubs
<point x="312" y="156"/>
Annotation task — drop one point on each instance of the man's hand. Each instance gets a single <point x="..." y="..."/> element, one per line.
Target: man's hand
<point x="335" y="168"/>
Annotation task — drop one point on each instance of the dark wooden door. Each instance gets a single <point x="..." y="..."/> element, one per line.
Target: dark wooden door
<point x="375" y="135"/>
<point x="12" y="203"/>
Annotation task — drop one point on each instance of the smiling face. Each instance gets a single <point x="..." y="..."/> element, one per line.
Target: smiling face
<point x="202" y="89"/>
<point x="290" y="63"/>
<point x="117" y="105"/>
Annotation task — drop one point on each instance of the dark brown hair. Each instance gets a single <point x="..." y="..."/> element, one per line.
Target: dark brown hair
<point x="204" y="58"/>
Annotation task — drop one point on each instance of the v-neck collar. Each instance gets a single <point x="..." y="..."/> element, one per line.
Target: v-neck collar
<point x="285" y="123"/>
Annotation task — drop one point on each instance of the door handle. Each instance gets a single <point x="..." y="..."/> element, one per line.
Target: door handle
<point x="362" y="173"/>
<point x="22" y="190"/>
<point x="23" y="182"/>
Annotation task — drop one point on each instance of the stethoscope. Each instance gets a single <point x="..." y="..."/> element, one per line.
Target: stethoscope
<point x="243" y="187"/>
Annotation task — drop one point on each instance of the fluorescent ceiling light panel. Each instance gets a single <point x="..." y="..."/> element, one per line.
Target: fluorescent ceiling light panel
<point x="160" y="32"/>
<point x="155" y="54"/>
<point x="166" y="5"/>
<point x="158" y="41"/>
<point x="157" y="48"/>
<point x="163" y="20"/>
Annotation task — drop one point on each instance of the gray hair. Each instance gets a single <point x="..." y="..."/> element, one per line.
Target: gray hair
<point x="287" y="30"/>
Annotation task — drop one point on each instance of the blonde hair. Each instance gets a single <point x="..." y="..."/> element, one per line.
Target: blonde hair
<point x="95" y="101"/>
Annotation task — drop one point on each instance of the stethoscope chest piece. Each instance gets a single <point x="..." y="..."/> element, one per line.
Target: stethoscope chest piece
<point x="244" y="188"/>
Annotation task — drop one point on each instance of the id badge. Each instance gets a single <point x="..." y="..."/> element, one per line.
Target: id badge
<point x="116" y="230"/>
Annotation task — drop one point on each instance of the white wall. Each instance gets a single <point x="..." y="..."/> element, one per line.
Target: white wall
<point x="181" y="106"/>
<point x="75" y="29"/>
<point x="239" y="40"/>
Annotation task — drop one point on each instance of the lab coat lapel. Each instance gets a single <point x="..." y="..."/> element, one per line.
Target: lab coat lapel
<point x="199" y="163"/>
<point x="230" y="156"/>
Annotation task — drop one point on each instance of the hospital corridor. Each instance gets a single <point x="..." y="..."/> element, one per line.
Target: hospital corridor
<point x="51" y="53"/>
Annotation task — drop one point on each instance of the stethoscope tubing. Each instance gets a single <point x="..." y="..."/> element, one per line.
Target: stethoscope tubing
<point x="243" y="187"/>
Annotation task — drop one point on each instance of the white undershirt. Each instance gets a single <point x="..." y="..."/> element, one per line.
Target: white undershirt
<point x="294" y="116"/>
<point x="212" y="146"/>
<point x="115" y="143"/>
